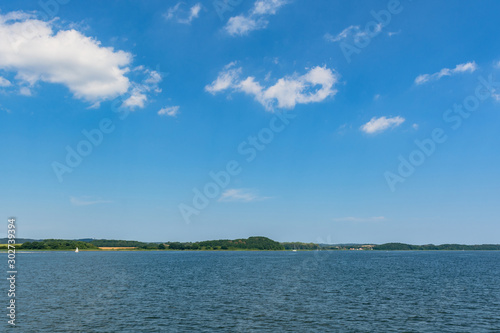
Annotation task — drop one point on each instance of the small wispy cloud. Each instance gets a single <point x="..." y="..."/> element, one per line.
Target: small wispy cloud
<point x="86" y="201"/>
<point x="359" y="219"/>
<point x="139" y="94"/>
<point x="343" y="129"/>
<point x="255" y="19"/>
<point x="241" y="195"/>
<point x="182" y="16"/>
<point x="353" y="32"/>
<point x="4" y="82"/>
<point x="377" y="125"/>
<point x="460" y="68"/>
<point x="393" y="33"/>
<point x="171" y="111"/>
<point x="25" y="91"/>
<point x="4" y="109"/>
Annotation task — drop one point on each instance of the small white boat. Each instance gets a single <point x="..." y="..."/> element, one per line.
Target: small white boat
<point x="76" y="251"/>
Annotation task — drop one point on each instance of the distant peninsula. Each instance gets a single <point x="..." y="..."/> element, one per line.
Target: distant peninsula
<point x="257" y="243"/>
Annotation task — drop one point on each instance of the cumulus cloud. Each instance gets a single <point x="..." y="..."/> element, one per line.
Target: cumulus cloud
<point x="182" y="16"/>
<point x="314" y="86"/>
<point x="170" y="111"/>
<point x="376" y="125"/>
<point x="353" y="32"/>
<point x="36" y="51"/>
<point x="255" y="19"/>
<point x="31" y="48"/>
<point x="460" y="68"/>
<point x="241" y="195"/>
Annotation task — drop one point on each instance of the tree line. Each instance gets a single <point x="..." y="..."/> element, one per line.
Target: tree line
<point x="251" y="243"/>
<point x="432" y="247"/>
<point x="57" y="244"/>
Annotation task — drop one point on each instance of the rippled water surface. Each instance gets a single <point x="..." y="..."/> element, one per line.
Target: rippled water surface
<point x="318" y="291"/>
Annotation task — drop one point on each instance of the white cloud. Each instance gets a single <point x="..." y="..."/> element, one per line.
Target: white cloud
<point x="25" y="91"/>
<point x="242" y="25"/>
<point x="194" y="12"/>
<point x="171" y="111"/>
<point x="4" y="109"/>
<point x="86" y="201"/>
<point x="36" y="51"/>
<point x="4" y="82"/>
<point x="393" y="33"/>
<point x="267" y="7"/>
<point x="138" y="96"/>
<point x="255" y="19"/>
<point x="183" y="16"/>
<point x="314" y="86"/>
<point x="415" y="126"/>
<point x="359" y="219"/>
<point x="460" y="68"/>
<point x="136" y="99"/>
<point x="353" y="32"/>
<point x="343" y="129"/>
<point x="225" y="80"/>
<point x="241" y="195"/>
<point x="380" y="124"/>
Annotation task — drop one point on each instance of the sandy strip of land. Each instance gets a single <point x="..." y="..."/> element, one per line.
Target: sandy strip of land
<point x="118" y="248"/>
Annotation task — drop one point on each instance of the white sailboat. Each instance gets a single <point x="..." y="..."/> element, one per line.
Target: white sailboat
<point x="76" y="251"/>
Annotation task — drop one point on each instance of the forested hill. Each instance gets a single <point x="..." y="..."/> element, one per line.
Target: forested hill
<point x="251" y="243"/>
<point x="432" y="247"/>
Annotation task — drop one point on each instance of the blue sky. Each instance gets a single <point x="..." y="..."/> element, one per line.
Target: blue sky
<point x="329" y="121"/>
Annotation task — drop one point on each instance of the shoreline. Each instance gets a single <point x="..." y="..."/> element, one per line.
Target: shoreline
<point x="232" y="250"/>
